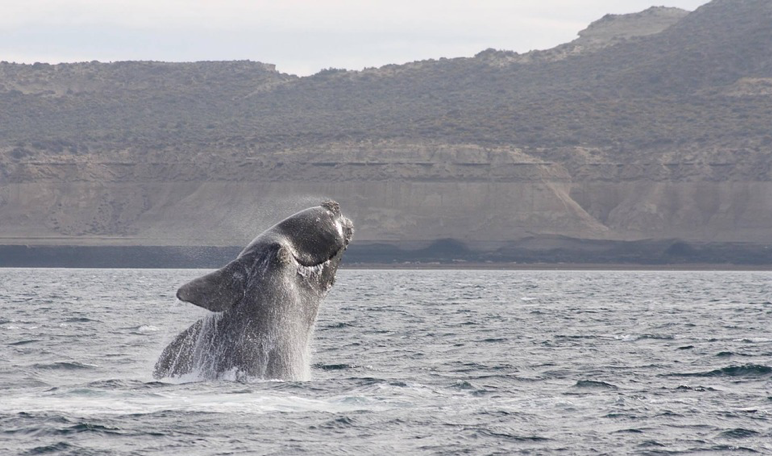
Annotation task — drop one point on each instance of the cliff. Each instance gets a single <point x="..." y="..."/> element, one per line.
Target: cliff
<point x="653" y="126"/>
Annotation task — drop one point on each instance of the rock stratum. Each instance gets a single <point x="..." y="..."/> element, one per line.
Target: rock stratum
<point x="649" y="126"/>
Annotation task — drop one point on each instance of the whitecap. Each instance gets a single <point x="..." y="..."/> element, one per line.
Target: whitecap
<point x="147" y="328"/>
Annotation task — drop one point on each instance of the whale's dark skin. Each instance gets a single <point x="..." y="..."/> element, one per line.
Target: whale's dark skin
<point x="265" y="302"/>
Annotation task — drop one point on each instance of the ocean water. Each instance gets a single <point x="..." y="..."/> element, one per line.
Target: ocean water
<point x="405" y="362"/>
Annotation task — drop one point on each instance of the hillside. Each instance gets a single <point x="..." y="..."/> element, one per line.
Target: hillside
<point x="653" y="125"/>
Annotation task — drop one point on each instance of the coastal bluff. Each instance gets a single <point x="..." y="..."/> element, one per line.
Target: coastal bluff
<point x="649" y="127"/>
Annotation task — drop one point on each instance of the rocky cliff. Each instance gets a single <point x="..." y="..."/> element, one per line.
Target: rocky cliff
<point x="648" y="126"/>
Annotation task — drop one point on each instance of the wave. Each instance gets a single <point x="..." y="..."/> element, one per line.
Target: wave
<point x="85" y="427"/>
<point x="508" y="436"/>
<point x="25" y="342"/>
<point x="338" y="423"/>
<point x="747" y="370"/>
<point x="464" y="385"/>
<point x="729" y="354"/>
<point x="635" y="337"/>
<point x="594" y="384"/>
<point x="338" y="325"/>
<point x="695" y="388"/>
<point x="80" y="320"/>
<point x="333" y="367"/>
<point x="111" y="384"/>
<point x="628" y="431"/>
<point x="53" y="448"/>
<point x="738" y="433"/>
<point x="64" y="365"/>
<point x="144" y="329"/>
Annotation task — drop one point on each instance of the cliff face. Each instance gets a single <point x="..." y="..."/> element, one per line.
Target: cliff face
<point x="460" y="192"/>
<point x="648" y="126"/>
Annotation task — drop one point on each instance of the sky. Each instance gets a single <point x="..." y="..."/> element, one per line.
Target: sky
<point x="298" y="36"/>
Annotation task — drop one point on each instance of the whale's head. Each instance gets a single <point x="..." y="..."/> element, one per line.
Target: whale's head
<point x="315" y="236"/>
<point x="305" y="248"/>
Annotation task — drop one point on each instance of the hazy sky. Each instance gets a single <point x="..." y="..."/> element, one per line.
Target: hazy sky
<point x="299" y="36"/>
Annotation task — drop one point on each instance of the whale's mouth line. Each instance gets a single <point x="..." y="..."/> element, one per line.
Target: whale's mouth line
<point x="321" y="263"/>
<point x="309" y="265"/>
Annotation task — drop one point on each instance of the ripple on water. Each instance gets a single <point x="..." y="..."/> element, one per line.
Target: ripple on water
<point x="333" y="367"/>
<point x="698" y="389"/>
<point x="25" y="342"/>
<point x="80" y="320"/>
<point x="738" y="433"/>
<point x="747" y="370"/>
<point x="55" y="448"/>
<point x="126" y="384"/>
<point x="143" y="329"/>
<point x="594" y="384"/>
<point x="64" y="365"/>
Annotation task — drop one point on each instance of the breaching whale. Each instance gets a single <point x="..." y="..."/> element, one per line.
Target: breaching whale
<point x="264" y="303"/>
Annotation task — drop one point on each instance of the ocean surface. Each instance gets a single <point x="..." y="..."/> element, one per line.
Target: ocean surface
<point x="405" y="362"/>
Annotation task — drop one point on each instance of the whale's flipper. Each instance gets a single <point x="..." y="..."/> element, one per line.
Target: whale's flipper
<point x="217" y="291"/>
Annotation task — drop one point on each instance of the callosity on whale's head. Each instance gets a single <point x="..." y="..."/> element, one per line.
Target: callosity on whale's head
<point x="309" y="243"/>
<point x="311" y="237"/>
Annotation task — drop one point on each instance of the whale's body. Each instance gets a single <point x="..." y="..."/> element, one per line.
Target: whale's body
<point x="265" y="303"/>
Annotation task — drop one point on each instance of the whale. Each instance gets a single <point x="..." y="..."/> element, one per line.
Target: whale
<point x="263" y="305"/>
